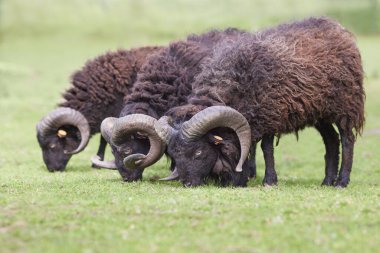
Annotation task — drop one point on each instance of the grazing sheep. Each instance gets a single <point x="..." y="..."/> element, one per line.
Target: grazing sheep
<point x="163" y="82"/>
<point x="97" y="92"/>
<point x="280" y="80"/>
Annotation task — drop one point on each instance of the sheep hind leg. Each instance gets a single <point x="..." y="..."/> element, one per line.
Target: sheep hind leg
<point x="101" y="150"/>
<point x="347" y="140"/>
<point x="331" y="141"/>
<point x="252" y="161"/>
<point x="270" y="177"/>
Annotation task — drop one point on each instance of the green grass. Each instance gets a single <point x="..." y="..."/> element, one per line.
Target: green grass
<point x="86" y="210"/>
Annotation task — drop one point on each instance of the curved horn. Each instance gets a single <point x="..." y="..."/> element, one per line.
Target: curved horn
<point x="220" y="116"/>
<point x="144" y="123"/>
<point x="103" y="164"/>
<point x="171" y="177"/>
<point x="65" y="116"/>
<point x="106" y="128"/>
<point x="133" y="161"/>
<point x="164" y="129"/>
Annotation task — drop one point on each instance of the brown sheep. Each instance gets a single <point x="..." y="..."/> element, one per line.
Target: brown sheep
<point x="97" y="92"/>
<point x="163" y="82"/>
<point x="277" y="81"/>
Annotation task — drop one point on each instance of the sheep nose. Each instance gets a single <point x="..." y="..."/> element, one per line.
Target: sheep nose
<point x="56" y="168"/>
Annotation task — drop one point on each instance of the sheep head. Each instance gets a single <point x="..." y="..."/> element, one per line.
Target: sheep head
<point x="62" y="133"/>
<point x="134" y="144"/>
<point x="206" y="145"/>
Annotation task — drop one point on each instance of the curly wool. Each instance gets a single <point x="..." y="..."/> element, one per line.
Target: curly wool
<point x="165" y="80"/>
<point x="99" y="87"/>
<point x="288" y="77"/>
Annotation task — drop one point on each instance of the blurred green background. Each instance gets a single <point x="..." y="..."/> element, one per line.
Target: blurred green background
<point x="148" y="19"/>
<point x="84" y="210"/>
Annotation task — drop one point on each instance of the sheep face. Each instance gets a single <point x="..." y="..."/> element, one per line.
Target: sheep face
<point x="194" y="160"/>
<point x="55" y="146"/>
<point x="133" y="140"/>
<point x="213" y="156"/>
<point x="134" y="144"/>
<point x="214" y="143"/>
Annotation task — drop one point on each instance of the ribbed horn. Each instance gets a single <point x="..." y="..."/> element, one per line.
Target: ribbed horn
<point x="220" y="116"/>
<point x="164" y="129"/>
<point x="65" y="116"/>
<point x="139" y="123"/>
<point x="106" y="128"/>
<point x="171" y="177"/>
<point x="103" y="164"/>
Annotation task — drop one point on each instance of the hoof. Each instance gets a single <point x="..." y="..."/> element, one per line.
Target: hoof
<point x="252" y="172"/>
<point x="328" y="182"/>
<point x="341" y="183"/>
<point x="270" y="181"/>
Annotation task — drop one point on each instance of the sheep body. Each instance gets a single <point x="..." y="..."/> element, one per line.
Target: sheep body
<point x="283" y="79"/>
<point x="97" y="92"/>
<point x="99" y="87"/>
<point x="164" y="82"/>
<point x="289" y="77"/>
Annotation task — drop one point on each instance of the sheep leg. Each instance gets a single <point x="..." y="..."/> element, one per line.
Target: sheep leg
<point x="331" y="141"/>
<point x="252" y="161"/>
<point x="270" y="177"/>
<point x="348" y="140"/>
<point x="101" y="150"/>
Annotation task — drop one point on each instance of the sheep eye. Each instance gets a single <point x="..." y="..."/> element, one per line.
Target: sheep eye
<point x="198" y="152"/>
<point x="52" y="146"/>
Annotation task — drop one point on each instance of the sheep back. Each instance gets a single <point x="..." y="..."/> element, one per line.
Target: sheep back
<point x="165" y="80"/>
<point x="98" y="89"/>
<point x="288" y="77"/>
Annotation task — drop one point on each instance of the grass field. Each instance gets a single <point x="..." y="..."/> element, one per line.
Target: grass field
<point x="87" y="210"/>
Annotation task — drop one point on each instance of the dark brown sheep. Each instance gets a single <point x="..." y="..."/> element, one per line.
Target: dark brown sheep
<point x="163" y="82"/>
<point x="97" y="92"/>
<point x="281" y="80"/>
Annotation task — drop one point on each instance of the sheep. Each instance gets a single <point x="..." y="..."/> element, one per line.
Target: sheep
<point x="97" y="92"/>
<point x="163" y="82"/>
<point x="277" y="81"/>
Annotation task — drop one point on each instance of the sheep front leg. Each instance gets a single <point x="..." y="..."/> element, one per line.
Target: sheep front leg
<point x="270" y="172"/>
<point x="252" y="161"/>
<point x="101" y="150"/>
<point x="331" y="141"/>
<point x="347" y="140"/>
